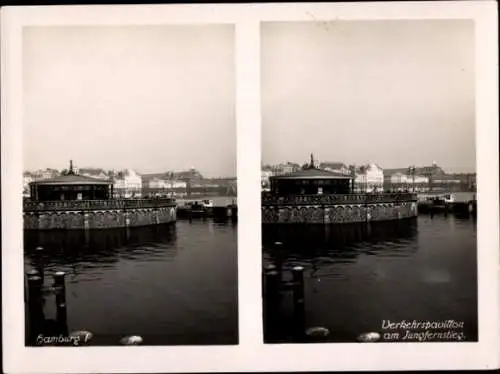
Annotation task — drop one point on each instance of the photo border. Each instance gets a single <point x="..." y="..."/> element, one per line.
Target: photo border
<point x="251" y="354"/>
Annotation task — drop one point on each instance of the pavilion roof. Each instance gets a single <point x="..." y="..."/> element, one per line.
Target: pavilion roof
<point x="311" y="173"/>
<point x="71" y="179"/>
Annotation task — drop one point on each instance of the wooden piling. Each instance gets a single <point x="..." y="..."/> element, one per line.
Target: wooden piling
<point x="60" y="290"/>
<point x="234" y="213"/>
<point x="266" y="270"/>
<point x="272" y="284"/>
<point x="272" y="303"/>
<point x="36" y="317"/>
<point x="298" y="302"/>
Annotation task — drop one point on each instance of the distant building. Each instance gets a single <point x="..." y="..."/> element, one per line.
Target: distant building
<point x="286" y="168"/>
<point x="428" y="171"/>
<point x="455" y="182"/>
<point x="167" y="183"/>
<point x="264" y="177"/>
<point x="336" y="167"/>
<point x="408" y="182"/>
<point x="44" y="174"/>
<point x="93" y="173"/>
<point x="191" y="174"/>
<point x="127" y="183"/>
<point x="27" y="179"/>
<point x="369" y="178"/>
<point x="420" y="179"/>
<point x="164" y="183"/>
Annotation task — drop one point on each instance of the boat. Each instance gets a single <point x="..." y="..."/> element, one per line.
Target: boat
<point x="444" y="199"/>
<point x="199" y="204"/>
<point x="200" y="208"/>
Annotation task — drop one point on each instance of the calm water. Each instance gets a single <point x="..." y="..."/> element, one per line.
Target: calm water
<point x="356" y="275"/>
<point x="171" y="284"/>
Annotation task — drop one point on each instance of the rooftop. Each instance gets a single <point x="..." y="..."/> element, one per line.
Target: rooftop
<point x="312" y="173"/>
<point x="71" y="179"/>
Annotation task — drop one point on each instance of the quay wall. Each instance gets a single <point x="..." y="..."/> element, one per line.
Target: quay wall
<point x="329" y="209"/>
<point x="97" y="214"/>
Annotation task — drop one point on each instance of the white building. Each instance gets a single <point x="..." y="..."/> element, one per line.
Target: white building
<point x="127" y="183"/>
<point x="171" y="183"/>
<point x="404" y="181"/>
<point x="264" y="177"/>
<point x="27" y="179"/>
<point x="161" y="183"/>
<point x="369" y="178"/>
<point x="157" y="183"/>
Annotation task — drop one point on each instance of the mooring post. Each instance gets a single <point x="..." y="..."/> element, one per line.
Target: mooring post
<point x="234" y="213"/>
<point x="60" y="290"/>
<point x="39" y="262"/>
<point x="298" y="302"/>
<point x="29" y="274"/>
<point x="267" y="269"/>
<point x="35" y="307"/>
<point x="272" y="299"/>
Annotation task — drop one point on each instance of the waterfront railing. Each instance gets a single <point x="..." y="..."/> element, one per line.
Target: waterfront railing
<point x="113" y="204"/>
<point x="270" y="199"/>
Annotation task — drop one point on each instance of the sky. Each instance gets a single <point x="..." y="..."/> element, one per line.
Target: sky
<point x="150" y="98"/>
<point x="397" y="93"/>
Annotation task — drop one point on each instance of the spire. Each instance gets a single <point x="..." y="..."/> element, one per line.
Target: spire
<point x="70" y="171"/>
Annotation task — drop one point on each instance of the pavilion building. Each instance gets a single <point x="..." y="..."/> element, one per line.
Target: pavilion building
<point x="311" y="181"/>
<point x="71" y="186"/>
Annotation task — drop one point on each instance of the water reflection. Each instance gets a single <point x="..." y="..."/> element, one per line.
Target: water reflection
<point x="91" y="248"/>
<point x="357" y="275"/>
<point x="324" y="244"/>
<point x="170" y="284"/>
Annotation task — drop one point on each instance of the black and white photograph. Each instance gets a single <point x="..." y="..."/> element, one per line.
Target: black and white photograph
<point x="369" y="196"/>
<point x="129" y="185"/>
<point x="292" y="187"/>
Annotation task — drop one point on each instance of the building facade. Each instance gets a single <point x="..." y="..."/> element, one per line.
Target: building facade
<point x="406" y="182"/>
<point x="127" y="183"/>
<point x="264" y="177"/>
<point x="369" y="178"/>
